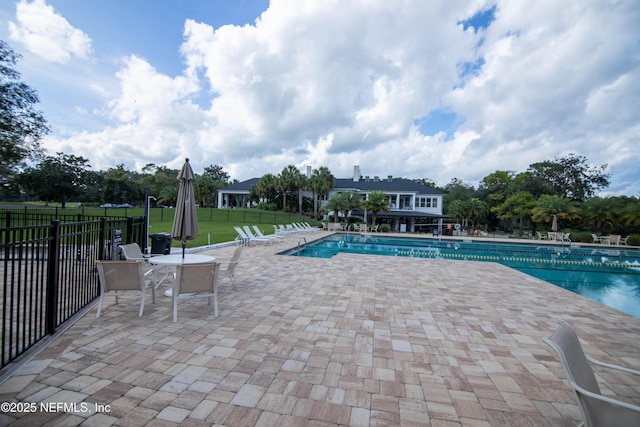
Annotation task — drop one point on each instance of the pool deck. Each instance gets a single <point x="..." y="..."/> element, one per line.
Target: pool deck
<point x="353" y="340"/>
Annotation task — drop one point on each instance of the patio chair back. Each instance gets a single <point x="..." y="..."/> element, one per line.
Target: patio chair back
<point x="597" y="410"/>
<point x="120" y="276"/>
<point x="195" y="280"/>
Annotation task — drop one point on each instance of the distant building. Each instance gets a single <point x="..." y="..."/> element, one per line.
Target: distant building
<point x="414" y="206"/>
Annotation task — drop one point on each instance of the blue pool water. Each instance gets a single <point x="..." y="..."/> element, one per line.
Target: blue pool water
<point x="608" y="275"/>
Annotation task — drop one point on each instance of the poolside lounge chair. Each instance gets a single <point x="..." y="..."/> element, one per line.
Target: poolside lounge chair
<point x="119" y="276"/>
<point x="280" y="229"/>
<point x="623" y="240"/>
<point x="597" y="410"/>
<point x="195" y="280"/>
<point x="245" y="239"/>
<point x="614" y="239"/>
<point x="253" y="237"/>
<point x="228" y="273"/>
<point x="540" y="236"/>
<point x="259" y="234"/>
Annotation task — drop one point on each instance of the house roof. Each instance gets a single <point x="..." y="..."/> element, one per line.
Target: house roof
<point x="386" y="185"/>
<point x="243" y="186"/>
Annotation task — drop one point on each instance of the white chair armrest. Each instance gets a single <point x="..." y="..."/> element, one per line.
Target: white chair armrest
<point x="612" y="366"/>
<point x="605" y="398"/>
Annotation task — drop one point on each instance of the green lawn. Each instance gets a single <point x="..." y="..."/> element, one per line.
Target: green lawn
<point x="216" y="225"/>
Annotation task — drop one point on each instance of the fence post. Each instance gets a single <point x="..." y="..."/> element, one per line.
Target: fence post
<point x="129" y="230"/>
<point x="53" y="267"/>
<point x="102" y="238"/>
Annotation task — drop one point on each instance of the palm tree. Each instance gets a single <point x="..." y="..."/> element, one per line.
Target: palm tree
<point x="266" y="187"/>
<point x="598" y="211"/>
<point x="288" y="180"/>
<point x="337" y="203"/>
<point x="630" y="212"/>
<point x="376" y="202"/>
<point x="321" y="183"/>
<point x="548" y="206"/>
<point x="476" y="211"/>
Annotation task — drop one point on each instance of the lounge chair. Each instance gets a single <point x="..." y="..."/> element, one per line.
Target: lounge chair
<point x="259" y="234"/>
<point x="255" y="238"/>
<point x="623" y="240"/>
<point x="119" y="276"/>
<point x="614" y="239"/>
<point x="597" y="410"/>
<point x="195" y="280"/>
<point x="244" y="239"/>
<point x="280" y="229"/>
<point x="540" y="236"/>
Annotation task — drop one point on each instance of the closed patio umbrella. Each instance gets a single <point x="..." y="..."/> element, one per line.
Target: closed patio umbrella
<point x="554" y="223"/>
<point x="185" y="222"/>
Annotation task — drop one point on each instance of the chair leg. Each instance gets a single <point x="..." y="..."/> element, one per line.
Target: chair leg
<point x="175" y="307"/>
<point x="100" y="305"/>
<point x="215" y="303"/>
<point x="142" y="303"/>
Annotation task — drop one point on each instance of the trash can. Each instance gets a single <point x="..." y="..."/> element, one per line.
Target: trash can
<point x="160" y="243"/>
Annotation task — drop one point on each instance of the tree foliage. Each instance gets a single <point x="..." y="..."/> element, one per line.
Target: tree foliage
<point x="376" y="202"/>
<point x="21" y="125"/>
<point x="570" y="177"/>
<point x="57" y="178"/>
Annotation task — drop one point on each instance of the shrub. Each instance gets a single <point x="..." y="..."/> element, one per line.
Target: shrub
<point x="582" y="237"/>
<point x="633" y="240"/>
<point x="384" y="228"/>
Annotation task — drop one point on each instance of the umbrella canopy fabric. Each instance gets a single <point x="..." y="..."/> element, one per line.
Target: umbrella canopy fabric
<point x="185" y="222"/>
<point x="554" y="223"/>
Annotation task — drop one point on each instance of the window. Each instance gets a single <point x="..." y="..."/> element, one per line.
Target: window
<point x="427" y="202"/>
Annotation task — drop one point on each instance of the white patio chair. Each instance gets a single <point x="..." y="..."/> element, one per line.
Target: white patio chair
<point x="255" y="238"/>
<point x="246" y="239"/>
<point x="259" y="234"/>
<point x="132" y="252"/>
<point x="597" y="410"/>
<point x="117" y="277"/>
<point x="193" y="281"/>
<point x="229" y="272"/>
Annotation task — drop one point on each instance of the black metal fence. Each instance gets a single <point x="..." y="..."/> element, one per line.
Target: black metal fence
<point x="49" y="274"/>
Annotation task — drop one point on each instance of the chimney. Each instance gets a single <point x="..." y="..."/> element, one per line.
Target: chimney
<point x="308" y="171"/>
<point x="376" y="178"/>
<point x="390" y="178"/>
<point x="356" y="173"/>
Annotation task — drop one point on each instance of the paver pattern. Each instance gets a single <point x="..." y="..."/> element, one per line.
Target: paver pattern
<point x="353" y="340"/>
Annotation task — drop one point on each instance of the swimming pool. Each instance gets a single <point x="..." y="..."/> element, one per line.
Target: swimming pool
<point x="608" y="275"/>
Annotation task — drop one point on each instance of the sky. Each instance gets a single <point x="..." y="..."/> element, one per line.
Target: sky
<point x="438" y="89"/>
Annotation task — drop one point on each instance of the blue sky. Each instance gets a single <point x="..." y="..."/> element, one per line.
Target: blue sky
<point x="436" y="90"/>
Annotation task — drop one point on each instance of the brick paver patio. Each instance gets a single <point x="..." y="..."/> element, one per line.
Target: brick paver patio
<point x="352" y="340"/>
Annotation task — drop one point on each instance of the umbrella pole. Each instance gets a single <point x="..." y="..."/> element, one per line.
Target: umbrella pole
<point x="184" y="247"/>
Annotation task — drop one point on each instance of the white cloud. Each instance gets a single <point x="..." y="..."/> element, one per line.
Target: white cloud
<point x="339" y="84"/>
<point x="46" y="33"/>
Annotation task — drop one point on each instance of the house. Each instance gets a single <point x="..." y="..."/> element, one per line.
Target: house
<point x="414" y="206"/>
<point x="236" y="195"/>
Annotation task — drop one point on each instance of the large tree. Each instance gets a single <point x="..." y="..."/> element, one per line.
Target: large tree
<point x="21" y="125"/>
<point x="570" y="177"/>
<point x="56" y="178"/>
<point x="120" y="185"/>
